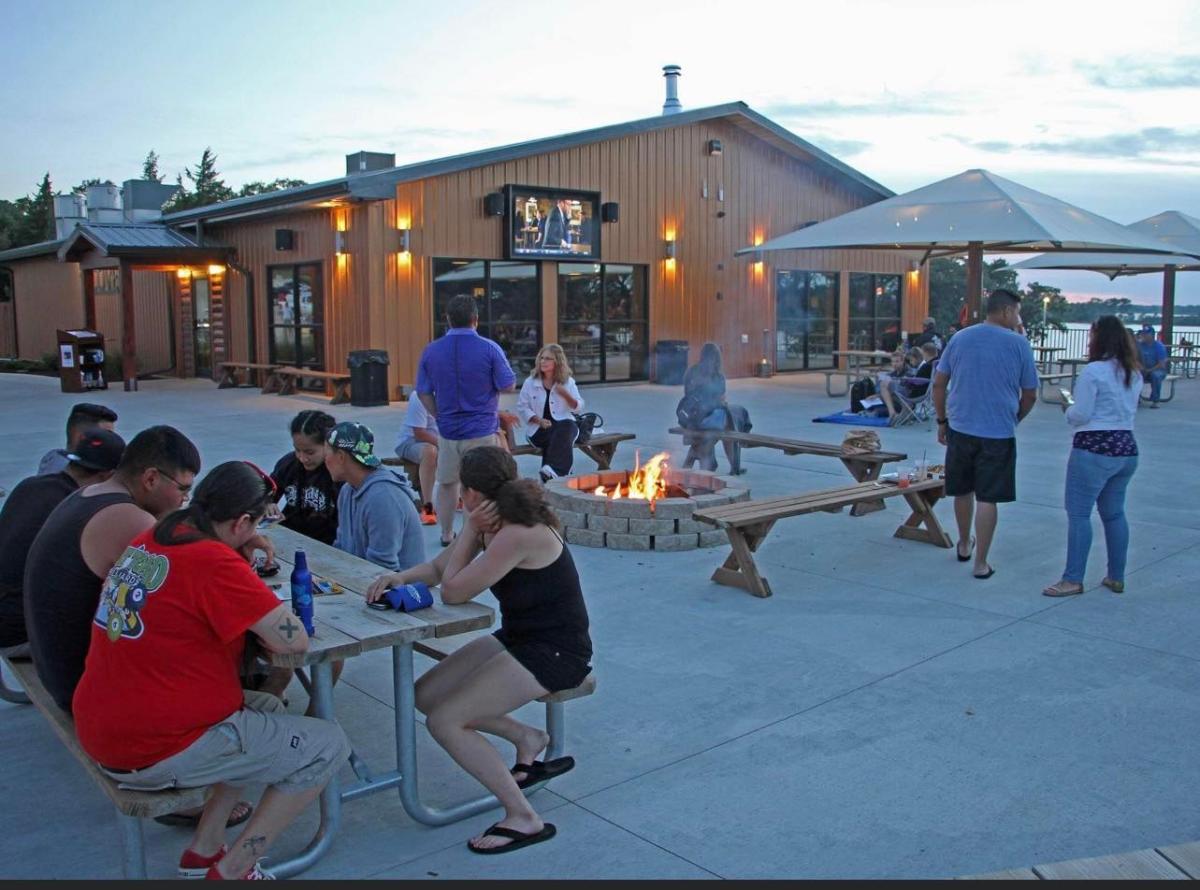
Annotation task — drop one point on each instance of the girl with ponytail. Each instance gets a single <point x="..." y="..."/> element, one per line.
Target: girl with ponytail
<point x="160" y="703"/>
<point x="312" y="495"/>
<point x="510" y="543"/>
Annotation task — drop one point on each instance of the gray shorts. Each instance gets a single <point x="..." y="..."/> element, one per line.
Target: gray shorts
<point x="450" y="452"/>
<point x="411" y="449"/>
<point x="258" y="745"/>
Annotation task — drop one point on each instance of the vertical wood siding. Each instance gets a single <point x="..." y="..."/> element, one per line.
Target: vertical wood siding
<point x="48" y="296"/>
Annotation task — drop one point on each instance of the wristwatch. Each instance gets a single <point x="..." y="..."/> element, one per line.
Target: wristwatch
<point x="942" y="421"/>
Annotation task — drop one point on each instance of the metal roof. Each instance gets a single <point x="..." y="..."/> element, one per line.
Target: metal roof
<point x="135" y="239"/>
<point x="382" y="184"/>
<point x="29" y="250"/>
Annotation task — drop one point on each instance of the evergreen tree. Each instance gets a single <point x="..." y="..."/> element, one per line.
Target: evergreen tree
<point x="207" y="185"/>
<point x="37" y="215"/>
<point x="261" y="188"/>
<point x="150" y="167"/>
<point x="10" y="224"/>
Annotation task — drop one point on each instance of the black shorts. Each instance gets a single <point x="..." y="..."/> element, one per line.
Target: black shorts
<point x="553" y="667"/>
<point x="986" y="468"/>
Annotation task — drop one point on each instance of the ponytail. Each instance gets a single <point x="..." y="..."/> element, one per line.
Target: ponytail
<point x="492" y="472"/>
<point x="229" y="490"/>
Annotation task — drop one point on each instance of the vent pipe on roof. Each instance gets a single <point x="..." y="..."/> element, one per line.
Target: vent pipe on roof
<point x="672" y="105"/>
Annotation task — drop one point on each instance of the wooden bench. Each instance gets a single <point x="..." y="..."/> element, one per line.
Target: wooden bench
<point x="600" y="447"/>
<point x="411" y="470"/>
<point x="284" y="380"/>
<point x="863" y="466"/>
<point x="1054" y="379"/>
<point x="438" y="648"/>
<point x="229" y="373"/>
<point x="747" y="523"/>
<point x="1170" y="378"/>
<point x="131" y="806"/>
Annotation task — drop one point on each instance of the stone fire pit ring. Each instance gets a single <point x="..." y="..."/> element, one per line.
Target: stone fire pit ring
<point x="592" y="520"/>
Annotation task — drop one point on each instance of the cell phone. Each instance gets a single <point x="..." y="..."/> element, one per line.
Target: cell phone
<point x="1067" y="398"/>
<point x="267" y="571"/>
<point x="381" y="605"/>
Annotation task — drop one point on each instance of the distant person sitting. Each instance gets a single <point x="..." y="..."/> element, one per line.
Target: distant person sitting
<point x="419" y="444"/>
<point x="704" y="407"/>
<point x="311" y="495"/>
<point x="84" y="416"/>
<point x="82" y="539"/>
<point x="928" y="335"/>
<point x="545" y="407"/>
<point x="377" y="520"/>
<point x="1154" y="362"/>
<point x="25" y="512"/>
<point x="911" y="386"/>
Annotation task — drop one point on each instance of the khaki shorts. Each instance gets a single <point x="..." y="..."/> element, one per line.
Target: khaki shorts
<point x="259" y="744"/>
<point x="450" y="452"/>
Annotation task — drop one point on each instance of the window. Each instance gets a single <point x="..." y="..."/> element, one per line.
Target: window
<point x="603" y="320"/>
<point x="296" y="316"/>
<point x="6" y="286"/>
<point x="508" y="296"/>
<point x="874" y="311"/>
<point x="806" y="319"/>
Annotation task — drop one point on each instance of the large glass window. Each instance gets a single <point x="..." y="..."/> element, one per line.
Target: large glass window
<point x="296" y="317"/>
<point x="603" y="320"/>
<point x="874" y="311"/>
<point x="806" y="318"/>
<point x="508" y="296"/>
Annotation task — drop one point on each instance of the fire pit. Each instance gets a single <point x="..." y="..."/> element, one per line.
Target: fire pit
<point x="648" y="508"/>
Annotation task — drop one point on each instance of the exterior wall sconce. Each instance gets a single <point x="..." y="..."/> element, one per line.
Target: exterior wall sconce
<point x="669" y="249"/>
<point x="183" y="274"/>
<point x="216" y="270"/>
<point x="758" y="258"/>
<point x="339" y="243"/>
<point x="405" y="239"/>
<point x="914" y="266"/>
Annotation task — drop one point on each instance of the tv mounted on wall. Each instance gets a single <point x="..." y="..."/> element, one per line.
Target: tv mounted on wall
<point x="543" y="223"/>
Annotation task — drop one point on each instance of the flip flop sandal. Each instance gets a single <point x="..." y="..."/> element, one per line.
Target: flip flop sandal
<point x="191" y="821"/>
<point x="985" y="575"/>
<point x="1059" y="590"/>
<point x="518" y="839"/>
<point x="970" y="550"/>
<point x="539" y="771"/>
<point x="1114" y="586"/>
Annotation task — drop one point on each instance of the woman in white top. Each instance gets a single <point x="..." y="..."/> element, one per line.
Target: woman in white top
<point x="1104" y="456"/>
<point x="549" y="398"/>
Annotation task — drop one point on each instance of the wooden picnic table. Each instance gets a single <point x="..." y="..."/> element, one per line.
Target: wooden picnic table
<point x="1045" y="356"/>
<point x="344" y="628"/>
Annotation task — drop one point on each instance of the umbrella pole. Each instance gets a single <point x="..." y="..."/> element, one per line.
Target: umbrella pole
<point x="1168" y="305"/>
<point x="974" y="281"/>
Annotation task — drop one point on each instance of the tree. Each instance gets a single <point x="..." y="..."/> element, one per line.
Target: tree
<point x="83" y="186"/>
<point x="37" y="215"/>
<point x="948" y="286"/>
<point x="150" y="167"/>
<point x="10" y="224"/>
<point x="207" y="185"/>
<point x="1032" y="313"/>
<point x="261" y="188"/>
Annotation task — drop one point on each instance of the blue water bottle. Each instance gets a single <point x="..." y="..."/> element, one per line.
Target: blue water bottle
<point x="302" y="592"/>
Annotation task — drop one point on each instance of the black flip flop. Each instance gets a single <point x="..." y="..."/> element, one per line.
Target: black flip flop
<point x="989" y="574"/>
<point x="539" y="771"/>
<point x="519" y="839"/>
<point x="180" y="820"/>
<point x="970" y="551"/>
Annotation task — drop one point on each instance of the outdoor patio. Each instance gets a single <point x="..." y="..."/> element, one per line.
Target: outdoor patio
<point x="882" y="715"/>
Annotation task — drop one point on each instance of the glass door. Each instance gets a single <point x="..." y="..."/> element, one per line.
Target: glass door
<point x="296" y="317"/>
<point x="202" y="327"/>
<point x="603" y="321"/>
<point x="806" y="324"/>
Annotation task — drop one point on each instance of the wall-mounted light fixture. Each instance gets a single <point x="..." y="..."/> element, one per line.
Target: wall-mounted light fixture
<point x="714" y="146"/>
<point x="183" y="274"/>
<point x="339" y="242"/>
<point x="914" y="265"/>
<point x="214" y="270"/>
<point x="669" y="249"/>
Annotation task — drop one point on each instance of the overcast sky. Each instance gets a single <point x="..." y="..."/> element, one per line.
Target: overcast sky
<point x="1097" y="103"/>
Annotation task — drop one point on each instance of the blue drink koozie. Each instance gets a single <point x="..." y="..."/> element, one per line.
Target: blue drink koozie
<point x="409" y="597"/>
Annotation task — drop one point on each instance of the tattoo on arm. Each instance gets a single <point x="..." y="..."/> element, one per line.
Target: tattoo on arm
<point x="255" y="844"/>
<point x="289" y="628"/>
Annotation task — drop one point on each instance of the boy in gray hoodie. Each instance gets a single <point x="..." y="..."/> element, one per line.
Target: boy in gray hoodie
<point x="377" y="519"/>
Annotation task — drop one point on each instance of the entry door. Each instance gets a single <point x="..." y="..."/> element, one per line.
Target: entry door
<point x="805" y="319"/>
<point x="202" y="326"/>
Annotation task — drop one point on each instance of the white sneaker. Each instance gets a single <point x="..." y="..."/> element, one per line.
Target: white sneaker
<point x="547" y="473"/>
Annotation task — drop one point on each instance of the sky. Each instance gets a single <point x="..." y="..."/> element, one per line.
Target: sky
<point x="1096" y="103"/>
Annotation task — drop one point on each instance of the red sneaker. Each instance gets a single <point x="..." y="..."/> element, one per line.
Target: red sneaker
<point x="428" y="517"/>
<point x="193" y="865"/>
<point x="255" y="874"/>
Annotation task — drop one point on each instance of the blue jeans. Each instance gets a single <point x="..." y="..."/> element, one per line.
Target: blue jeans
<point x="1156" y="379"/>
<point x="1100" y="480"/>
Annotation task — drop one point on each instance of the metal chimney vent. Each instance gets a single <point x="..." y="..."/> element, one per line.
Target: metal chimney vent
<point x="672" y="73"/>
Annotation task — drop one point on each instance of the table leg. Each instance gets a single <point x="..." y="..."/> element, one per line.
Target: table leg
<point x="864" y="471"/>
<point x="331" y="799"/>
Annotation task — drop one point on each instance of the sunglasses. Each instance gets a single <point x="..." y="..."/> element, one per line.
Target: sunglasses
<point x="272" y="489"/>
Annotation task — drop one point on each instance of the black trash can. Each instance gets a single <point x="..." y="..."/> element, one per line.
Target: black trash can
<point x="368" y="377"/>
<point x="670" y="361"/>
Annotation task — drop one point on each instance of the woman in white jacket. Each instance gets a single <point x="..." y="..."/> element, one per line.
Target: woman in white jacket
<point x="1104" y="455"/>
<point x="549" y="398"/>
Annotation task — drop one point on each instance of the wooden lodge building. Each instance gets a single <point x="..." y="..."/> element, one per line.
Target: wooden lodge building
<point x="607" y="241"/>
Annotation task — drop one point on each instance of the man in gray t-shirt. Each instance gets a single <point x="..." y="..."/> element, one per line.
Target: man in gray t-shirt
<point x="992" y="381"/>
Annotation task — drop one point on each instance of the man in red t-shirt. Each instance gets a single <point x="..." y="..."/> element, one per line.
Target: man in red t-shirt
<point x="160" y="703"/>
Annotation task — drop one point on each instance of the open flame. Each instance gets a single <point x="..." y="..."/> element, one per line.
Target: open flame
<point x="647" y="483"/>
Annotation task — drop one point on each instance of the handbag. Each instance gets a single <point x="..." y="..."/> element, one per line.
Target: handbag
<point x="691" y="412"/>
<point x="587" y="423"/>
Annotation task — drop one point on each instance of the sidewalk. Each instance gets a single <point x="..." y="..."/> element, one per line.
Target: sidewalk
<point x="882" y="715"/>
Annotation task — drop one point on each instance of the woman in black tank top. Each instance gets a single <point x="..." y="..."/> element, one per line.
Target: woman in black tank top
<point x="511" y="544"/>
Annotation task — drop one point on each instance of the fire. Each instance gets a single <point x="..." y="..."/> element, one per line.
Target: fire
<point x="647" y="483"/>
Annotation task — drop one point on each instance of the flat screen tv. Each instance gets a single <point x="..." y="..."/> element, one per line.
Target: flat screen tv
<point x="543" y="223"/>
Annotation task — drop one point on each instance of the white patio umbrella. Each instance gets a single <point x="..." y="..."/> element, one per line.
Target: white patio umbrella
<point x="1177" y="230"/>
<point x="973" y="212"/>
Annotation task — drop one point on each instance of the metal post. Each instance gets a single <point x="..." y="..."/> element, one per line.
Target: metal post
<point x="974" y="281"/>
<point x="331" y="799"/>
<point x="133" y="847"/>
<point x="556" y="726"/>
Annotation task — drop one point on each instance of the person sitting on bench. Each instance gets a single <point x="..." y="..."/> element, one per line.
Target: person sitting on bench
<point x="419" y="444"/>
<point x="84" y="416"/>
<point x="546" y="406"/>
<point x="511" y="543"/>
<point x="704" y="407"/>
<point x="303" y="478"/>
<point x="160" y="704"/>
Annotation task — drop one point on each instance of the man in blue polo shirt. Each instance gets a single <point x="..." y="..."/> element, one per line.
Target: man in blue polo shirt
<point x="459" y="381"/>
<point x="1154" y="362"/>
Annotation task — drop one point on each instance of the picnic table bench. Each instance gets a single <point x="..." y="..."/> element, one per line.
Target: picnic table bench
<point x="283" y="380"/>
<point x="131" y="806"/>
<point x="230" y="372"/>
<point x="1170" y="378"/>
<point x="1053" y="380"/>
<point x="852" y="375"/>
<point x="748" y="523"/>
<point x="864" y="466"/>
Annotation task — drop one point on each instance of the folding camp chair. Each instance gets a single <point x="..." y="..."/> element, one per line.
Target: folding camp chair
<point x="911" y="409"/>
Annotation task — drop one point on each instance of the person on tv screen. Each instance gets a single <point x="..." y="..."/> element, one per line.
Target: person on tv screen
<point x="556" y="228"/>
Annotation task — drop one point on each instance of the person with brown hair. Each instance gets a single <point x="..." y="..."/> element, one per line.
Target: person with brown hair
<point x="545" y="408"/>
<point x="1104" y="453"/>
<point x="511" y="544"/>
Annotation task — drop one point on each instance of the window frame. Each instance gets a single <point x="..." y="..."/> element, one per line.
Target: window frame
<point x="296" y="325"/>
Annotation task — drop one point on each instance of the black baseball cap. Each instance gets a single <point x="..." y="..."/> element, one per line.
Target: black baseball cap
<point x="98" y="449"/>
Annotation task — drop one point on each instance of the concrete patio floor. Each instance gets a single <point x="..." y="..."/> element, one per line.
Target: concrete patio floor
<point x="882" y="715"/>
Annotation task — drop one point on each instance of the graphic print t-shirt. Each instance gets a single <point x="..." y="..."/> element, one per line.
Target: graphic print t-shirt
<point x="311" y="507"/>
<point x="167" y="640"/>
